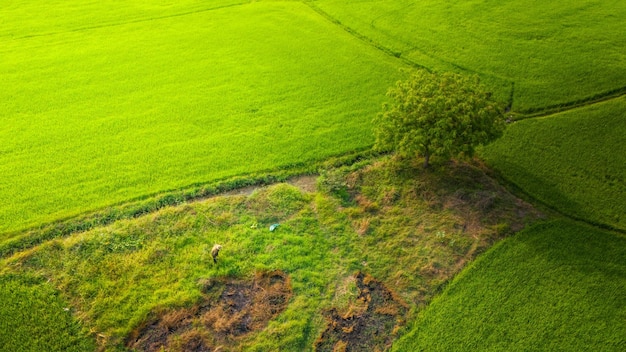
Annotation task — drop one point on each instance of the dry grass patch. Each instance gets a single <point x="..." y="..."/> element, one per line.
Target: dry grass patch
<point x="369" y="323"/>
<point x="230" y="310"/>
<point x="417" y="228"/>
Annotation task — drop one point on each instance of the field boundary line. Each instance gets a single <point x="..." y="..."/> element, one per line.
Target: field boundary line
<point x="573" y="105"/>
<point x="141" y="20"/>
<point x="519" y="192"/>
<point x="24" y="239"/>
<point x="390" y="52"/>
<point x="399" y="55"/>
<point x="520" y="115"/>
<point x="362" y="37"/>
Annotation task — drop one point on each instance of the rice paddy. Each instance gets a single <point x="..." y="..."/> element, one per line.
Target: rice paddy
<point x="119" y="119"/>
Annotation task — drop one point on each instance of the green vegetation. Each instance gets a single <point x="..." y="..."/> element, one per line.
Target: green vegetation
<point x="444" y="115"/>
<point x="119" y="121"/>
<point x="554" y="52"/>
<point x="558" y="286"/>
<point x="141" y="98"/>
<point x="141" y="107"/>
<point x="389" y="219"/>
<point x="571" y="161"/>
<point x="33" y="18"/>
<point x="36" y="318"/>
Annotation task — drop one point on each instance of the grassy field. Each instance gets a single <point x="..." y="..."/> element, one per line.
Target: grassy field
<point x="31" y="18"/>
<point x="570" y="161"/>
<point x="139" y="107"/>
<point x="554" y="52"/>
<point x="125" y="107"/>
<point x="140" y="98"/>
<point x="386" y="219"/>
<point x="36" y="318"/>
<point x="558" y="286"/>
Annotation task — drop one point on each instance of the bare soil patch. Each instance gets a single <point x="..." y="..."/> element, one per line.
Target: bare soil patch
<point x="306" y="183"/>
<point x="369" y="324"/>
<point x="230" y="310"/>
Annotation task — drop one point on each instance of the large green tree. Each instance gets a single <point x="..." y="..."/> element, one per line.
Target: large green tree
<point x="438" y="114"/>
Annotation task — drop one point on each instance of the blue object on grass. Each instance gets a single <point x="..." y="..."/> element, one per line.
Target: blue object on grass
<point x="273" y="227"/>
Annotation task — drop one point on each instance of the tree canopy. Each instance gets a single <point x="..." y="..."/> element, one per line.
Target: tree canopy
<point x="438" y="114"/>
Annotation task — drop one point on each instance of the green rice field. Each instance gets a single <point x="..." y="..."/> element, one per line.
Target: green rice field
<point x="102" y="103"/>
<point x="553" y="53"/>
<point x="570" y="161"/>
<point x="96" y="116"/>
<point x="115" y="115"/>
<point x="558" y="286"/>
<point x="36" y="318"/>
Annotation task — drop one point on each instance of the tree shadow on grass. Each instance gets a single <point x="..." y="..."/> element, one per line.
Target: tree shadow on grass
<point x="579" y="247"/>
<point x="547" y="194"/>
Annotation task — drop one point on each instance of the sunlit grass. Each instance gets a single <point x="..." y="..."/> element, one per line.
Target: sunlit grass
<point x="27" y="18"/>
<point x="98" y="116"/>
<point x="105" y="102"/>
<point x="555" y="52"/>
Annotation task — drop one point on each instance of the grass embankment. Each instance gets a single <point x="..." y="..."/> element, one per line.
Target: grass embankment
<point x="558" y="286"/>
<point x="573" y="161"/>
<point x="21" y="240"/>
<point x="410" y="230"/>
<point x="96" y="116"/>
<point x="548" y="49"/>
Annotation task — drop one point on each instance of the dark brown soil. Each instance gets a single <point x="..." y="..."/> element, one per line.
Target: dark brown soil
<point x="230" y="309"/>
<point x="370" y="325"/>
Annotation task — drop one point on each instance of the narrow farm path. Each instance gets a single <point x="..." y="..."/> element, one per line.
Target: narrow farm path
<point x="599" y="98"/>
<point x="306" y="183"/>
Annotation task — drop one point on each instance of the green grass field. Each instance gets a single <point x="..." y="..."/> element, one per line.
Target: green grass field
<point x="570" y="161"/>
<point x="558" y="286"/>
<point x="31" y="18"/>
<point x="36" y="318"/>
<point x="110" y="110"/>
<point x="97" y="116"/>
<point x="555" y="52"/>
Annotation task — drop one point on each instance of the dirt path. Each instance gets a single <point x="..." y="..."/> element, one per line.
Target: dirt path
<point x="306" y="183"/>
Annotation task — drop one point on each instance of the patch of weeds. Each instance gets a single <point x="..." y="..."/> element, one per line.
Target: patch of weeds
<point x="417" y="228"/>
<point x="410" y="228"/>
<point x="333" y="181"/>
<point x="109" y="243"/>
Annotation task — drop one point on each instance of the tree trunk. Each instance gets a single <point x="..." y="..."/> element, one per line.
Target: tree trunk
<point x="426" y="160"/>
